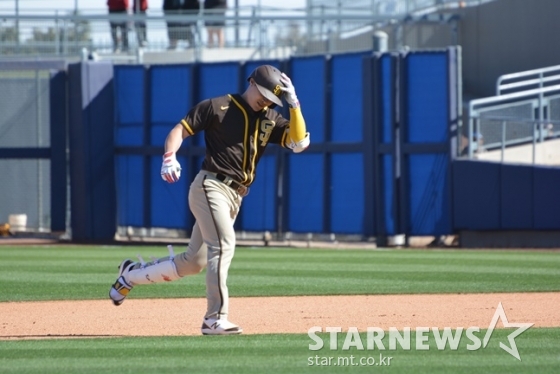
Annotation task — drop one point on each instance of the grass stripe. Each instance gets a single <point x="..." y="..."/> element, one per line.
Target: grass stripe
<point x="271" y="354"/>
<point x="86" y="272"/>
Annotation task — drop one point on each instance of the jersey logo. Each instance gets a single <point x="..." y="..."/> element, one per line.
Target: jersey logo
<point x="224" y="107"/>
<point x="266" y="130"/>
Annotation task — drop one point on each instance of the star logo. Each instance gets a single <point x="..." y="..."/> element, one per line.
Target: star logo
<point x="521" y="327"/>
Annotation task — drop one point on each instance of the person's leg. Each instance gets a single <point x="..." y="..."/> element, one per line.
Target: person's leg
<point x="114" y="36"/>
<point x="212" y="37"/>
<point x="172" y="35"/>
<point x="124" y="36"/>
<point x="141" y="27"/>
<point x="189" y="34"/>
<point x="194" y="259"/>
<point x="163" y="269"/>
<point x="221" y="37"/>
<point x="215" y="207"/>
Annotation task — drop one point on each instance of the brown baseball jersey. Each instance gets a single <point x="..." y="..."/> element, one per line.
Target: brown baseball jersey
<point x="236" y="136"/>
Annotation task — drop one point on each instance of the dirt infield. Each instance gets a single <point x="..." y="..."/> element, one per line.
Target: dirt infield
<point x="258" y="315"/>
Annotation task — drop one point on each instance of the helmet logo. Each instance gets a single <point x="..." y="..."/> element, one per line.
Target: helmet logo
<point x="277" y="91"/>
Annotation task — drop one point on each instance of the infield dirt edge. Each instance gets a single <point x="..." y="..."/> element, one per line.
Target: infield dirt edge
<point x="272" y="315"/>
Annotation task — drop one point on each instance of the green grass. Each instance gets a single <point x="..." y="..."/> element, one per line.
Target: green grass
<point x="86" y="272"/>
<point x="538" y="349"/>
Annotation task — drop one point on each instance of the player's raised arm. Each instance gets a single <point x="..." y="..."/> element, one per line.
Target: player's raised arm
<point x="298" y="133"/>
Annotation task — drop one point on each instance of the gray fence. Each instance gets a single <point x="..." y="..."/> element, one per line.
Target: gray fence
<point x="25" y="123"/>
<point x="521" y="117"/>
<point x="320" y="27"/>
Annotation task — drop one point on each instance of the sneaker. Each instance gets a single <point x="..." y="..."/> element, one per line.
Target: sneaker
<point x="121" y="288"/>
<point x="212" y="326"/>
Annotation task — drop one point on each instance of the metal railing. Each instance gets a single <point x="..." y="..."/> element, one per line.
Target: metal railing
<point x="318" y="28"/>
<point x="537" y="78"/>
<point x="525" y="117"/>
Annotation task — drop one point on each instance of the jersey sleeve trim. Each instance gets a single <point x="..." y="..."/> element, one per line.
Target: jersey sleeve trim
<point x="187" y="127"/>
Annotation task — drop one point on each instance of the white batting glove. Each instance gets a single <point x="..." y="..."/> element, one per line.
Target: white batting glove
<point x="289" y="91"/>
<point x="170" y="168"/>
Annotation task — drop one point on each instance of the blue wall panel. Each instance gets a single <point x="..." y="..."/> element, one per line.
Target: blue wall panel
<point x="427" y="97"/>
<point x="516" y="197"/>
<point x="476" y="195"/>
<point x="347" y="97"/>
<point x="309" y="75"/>
<point x="171" y="97"/>
<point x="130" y="191"/>
<point x="129" y="104"/>
<point x="347" y="193"/>
<point x="306" y="192"/>
<point x="386" y="137"/>
<point x="91" y="143"/>
<point x="546" y="199"/>
<point x="58" y="98"/>
<point x="388" y="175"/>
<point x="258" y="212"/>
<point x="218" y="79"/>
<point x="169" y="200"/>
<point x="430" y="198"/>
<point x="425" y="111"/>
<point x="387" y="100"/>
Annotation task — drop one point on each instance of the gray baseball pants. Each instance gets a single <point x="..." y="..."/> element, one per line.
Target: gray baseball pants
<point x="215" y="207"/>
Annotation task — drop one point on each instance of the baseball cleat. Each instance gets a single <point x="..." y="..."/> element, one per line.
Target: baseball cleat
<point x="121" y="288"/>
<point x="212" y="326"/>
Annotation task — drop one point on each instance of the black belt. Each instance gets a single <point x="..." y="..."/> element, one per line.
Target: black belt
<point x="233" y="184"/>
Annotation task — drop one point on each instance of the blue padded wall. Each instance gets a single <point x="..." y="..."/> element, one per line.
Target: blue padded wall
<point x="494" y="196"/>
<point x="347" y="97"/>
<point x="305" y="172"/>
<point x="306" y="192"/>
<point x="546" y="199"/>
<point x="425" y="113"/>
<point x="390" y="210"/>
<point x="427" y="97"/>
<point x="386" y="136"/>
<point x="129" y="84"/>
<point x="58" y="98"/>
<point x="92" y="162"/>
<point x="430" y="195"/>
<point x="331" y="89"/>
<point x="171" y="97"/>
<point x="217" y="79"/>
<point x="310" y="76"/>
<point x="476" y="195"/>
<point x="387" y="78"/>
<point x="516" y="192"/>
<point x="130" y="191"/>
<point x="347" y="193"/>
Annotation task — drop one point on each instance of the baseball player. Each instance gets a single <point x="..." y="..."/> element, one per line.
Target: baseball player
<point x="237" y="128"/>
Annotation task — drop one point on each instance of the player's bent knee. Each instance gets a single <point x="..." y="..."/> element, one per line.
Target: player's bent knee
<point x="185" y="267"/>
